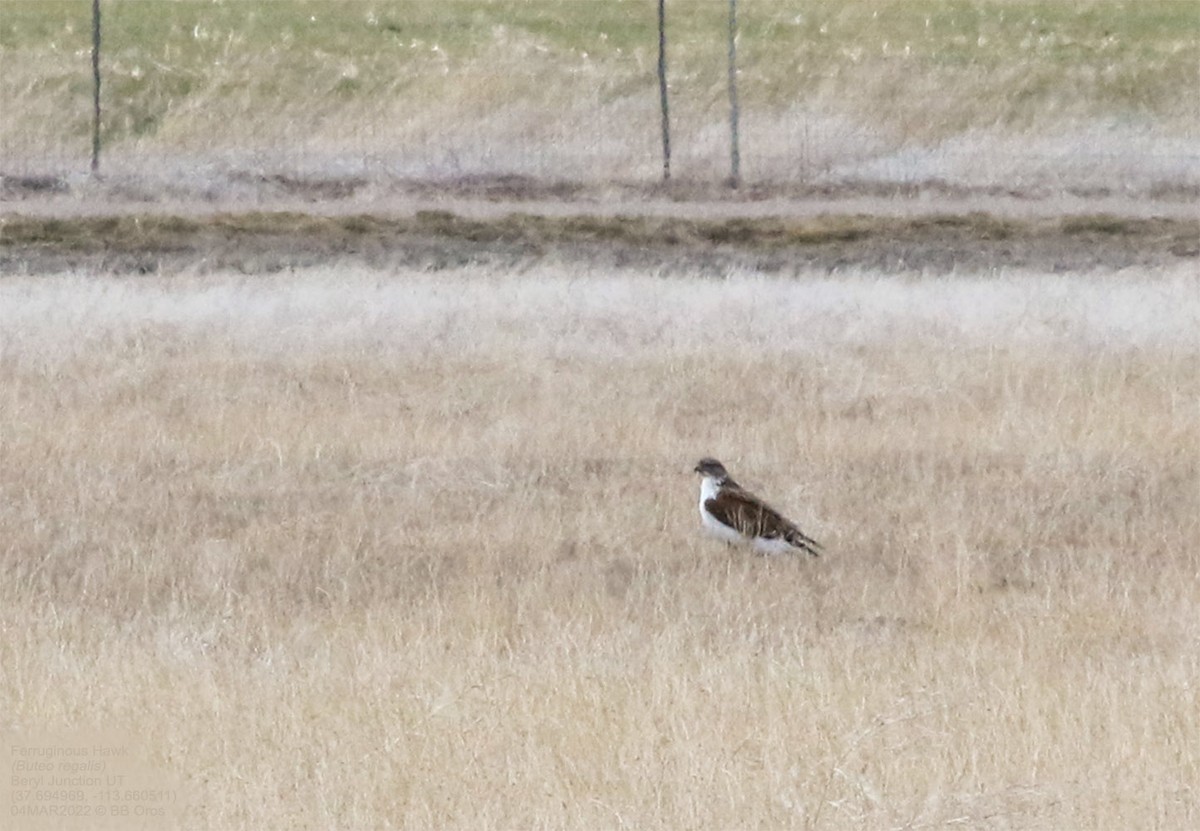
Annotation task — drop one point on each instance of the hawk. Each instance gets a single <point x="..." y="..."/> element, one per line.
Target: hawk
<point x="733" y="514"/>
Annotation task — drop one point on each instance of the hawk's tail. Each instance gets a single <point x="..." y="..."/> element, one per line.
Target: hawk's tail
<point x="805" y="543"/>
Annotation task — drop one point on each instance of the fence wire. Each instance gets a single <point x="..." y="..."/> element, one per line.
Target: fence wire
<point x="1017" y="96"/>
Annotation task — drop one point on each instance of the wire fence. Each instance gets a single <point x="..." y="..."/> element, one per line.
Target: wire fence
<point x="208" y="97"/>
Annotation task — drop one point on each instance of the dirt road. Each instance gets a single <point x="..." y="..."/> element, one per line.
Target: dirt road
<point x="271" y="225"/>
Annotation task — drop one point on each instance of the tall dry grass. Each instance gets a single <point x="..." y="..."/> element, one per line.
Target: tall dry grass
<point x="1012" y="94"/>
<point x="356" y="550"/>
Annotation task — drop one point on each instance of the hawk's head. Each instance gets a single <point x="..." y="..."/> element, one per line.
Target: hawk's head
<point x="711" y="467"/>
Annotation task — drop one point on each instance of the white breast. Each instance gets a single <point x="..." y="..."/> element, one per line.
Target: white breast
<point x="708" y="490"/>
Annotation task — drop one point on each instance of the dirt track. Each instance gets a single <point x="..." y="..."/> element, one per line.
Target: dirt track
<point x="113" y="227"/>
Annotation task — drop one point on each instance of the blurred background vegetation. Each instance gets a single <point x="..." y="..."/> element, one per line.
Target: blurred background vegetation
<point x="565" y="88"/>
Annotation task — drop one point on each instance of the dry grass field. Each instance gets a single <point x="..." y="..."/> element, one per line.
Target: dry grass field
<point x="347" y="417"/>
<point x="360" y="549"/>
<point x="1037" y="96"/>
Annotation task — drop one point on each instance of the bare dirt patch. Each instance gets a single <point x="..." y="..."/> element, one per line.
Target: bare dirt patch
<point x="262" y="186"/>
<point x="264" y="242"/>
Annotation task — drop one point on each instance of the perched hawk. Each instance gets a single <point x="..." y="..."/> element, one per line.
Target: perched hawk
<point x="738" y="516"/>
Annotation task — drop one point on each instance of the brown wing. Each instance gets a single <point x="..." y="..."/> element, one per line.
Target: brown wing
<point x="752" y="517"/>
<point x="746" y="514"/>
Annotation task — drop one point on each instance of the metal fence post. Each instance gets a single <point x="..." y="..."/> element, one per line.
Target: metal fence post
<point x="95" y="86"/>
<point x="662" y="88"/>
<point x="735" y="161"/>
